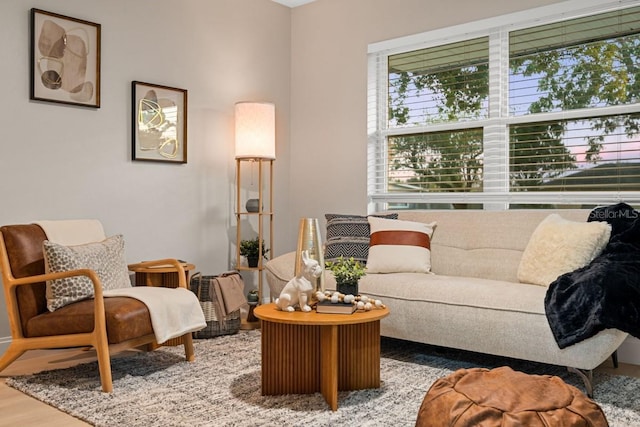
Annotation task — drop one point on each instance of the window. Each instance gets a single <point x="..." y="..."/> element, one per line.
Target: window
<point x="509" y="116"/>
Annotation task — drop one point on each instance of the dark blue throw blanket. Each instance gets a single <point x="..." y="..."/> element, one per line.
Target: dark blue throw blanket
<point x="606" y="293"/>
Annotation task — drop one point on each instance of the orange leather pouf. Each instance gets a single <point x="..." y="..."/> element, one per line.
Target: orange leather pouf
<point x="504" y="397"/>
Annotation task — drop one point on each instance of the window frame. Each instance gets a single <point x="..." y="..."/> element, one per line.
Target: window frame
<point x="495" y="194"/>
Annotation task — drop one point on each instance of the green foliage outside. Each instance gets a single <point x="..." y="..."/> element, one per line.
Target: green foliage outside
<point x="602" y="73"/>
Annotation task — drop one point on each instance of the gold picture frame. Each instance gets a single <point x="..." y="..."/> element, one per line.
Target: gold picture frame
<point x="159" y="123"/>
<point x="65" y="59"/>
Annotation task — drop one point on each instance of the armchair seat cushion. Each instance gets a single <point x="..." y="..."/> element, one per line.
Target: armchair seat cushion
<point x="126" y="318"/>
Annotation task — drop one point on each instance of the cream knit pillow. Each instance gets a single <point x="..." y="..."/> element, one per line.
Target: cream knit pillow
<point x="559" y="246"/>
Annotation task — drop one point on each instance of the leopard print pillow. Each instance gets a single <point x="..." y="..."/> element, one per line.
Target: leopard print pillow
<point x="106" y="258"/>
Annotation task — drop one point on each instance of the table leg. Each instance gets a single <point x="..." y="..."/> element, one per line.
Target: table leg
<point x="329" y="365"/>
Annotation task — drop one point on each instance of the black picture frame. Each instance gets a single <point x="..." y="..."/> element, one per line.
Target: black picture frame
<point x="159" y="123"/>
<point x="65" y="59"/>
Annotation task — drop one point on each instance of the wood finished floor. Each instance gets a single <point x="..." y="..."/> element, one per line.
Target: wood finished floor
<point x="18" y="409"/>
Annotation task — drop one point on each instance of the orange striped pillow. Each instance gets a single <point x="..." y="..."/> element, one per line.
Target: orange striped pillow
<point x="397" y="246"/>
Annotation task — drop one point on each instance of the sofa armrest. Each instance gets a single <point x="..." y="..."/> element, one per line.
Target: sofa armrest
<point x="279" y="271"/>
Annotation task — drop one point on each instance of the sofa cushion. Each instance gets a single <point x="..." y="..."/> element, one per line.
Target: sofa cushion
<point x="348" y="236"/>
<point x="399" y="246"/>
<point x="558" y="246"/>
<point x="488" y="244"/>
<point x="456" y="291"/>
<point x="106" y="258"/>
<point x="481" y="315"/>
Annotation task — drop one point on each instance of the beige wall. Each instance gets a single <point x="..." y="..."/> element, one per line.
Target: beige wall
<point x="329" y="83"/>
<point x="60" y="162"/>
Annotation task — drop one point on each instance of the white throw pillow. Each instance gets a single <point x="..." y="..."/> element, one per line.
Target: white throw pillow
<point x="558" y="246"/>
<point x="106" y="258"/>
<point x="399" y="246"/>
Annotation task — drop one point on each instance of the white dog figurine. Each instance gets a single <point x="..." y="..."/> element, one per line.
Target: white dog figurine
<point x="298" y="290"/>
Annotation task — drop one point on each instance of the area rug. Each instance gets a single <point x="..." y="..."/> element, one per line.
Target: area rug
<point x="222" y="388"/>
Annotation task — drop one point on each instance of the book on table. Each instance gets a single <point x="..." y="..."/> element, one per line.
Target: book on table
<point x="329" y="307"/>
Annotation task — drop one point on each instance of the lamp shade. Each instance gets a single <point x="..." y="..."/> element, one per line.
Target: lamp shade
<point x="255" y="130"/>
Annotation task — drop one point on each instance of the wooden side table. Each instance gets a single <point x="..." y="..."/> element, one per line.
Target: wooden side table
<point x="165" y="276"/>
<point x="309" y="352"/>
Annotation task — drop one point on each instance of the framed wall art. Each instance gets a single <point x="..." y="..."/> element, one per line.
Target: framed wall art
<point x="65" y="59"/>
<point x="159" y="123"/>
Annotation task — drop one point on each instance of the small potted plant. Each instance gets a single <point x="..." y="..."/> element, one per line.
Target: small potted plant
<point x="251" y="250"/>
<point x="347" y="272"/>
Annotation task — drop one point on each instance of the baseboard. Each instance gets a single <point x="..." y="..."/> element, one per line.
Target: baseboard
<point x="629" y="351"/>
<point x="4" y="344"/>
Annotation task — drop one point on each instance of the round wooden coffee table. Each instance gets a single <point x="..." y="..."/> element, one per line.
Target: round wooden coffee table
<point x="310" y="352"/>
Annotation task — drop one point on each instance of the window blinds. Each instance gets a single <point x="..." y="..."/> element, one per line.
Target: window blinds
<point x="537" y="116"/>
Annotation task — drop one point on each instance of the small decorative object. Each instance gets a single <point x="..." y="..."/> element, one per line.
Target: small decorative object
<point x="65" y="59"/>
<point x="309" y="240"/>
<point x="361" y="302"/>
<point x="252" y="296"/>
<point x="159" y="123"/>
<point x="347" y="272"/>
<point x="329" y="307"/>
<point x="253" y="205"/>
<point x="298" y="291"/>
<point x="251" y="249"/>
<point x="252" y="299"/>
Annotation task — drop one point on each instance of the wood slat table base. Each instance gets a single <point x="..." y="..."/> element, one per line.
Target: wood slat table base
<point x="301" y="359"/>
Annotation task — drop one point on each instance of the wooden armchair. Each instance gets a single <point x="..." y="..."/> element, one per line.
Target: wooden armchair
<point x="107" y="324"/>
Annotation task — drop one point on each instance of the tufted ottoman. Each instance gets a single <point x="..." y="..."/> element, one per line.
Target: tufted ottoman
<point x="504" y="397"/>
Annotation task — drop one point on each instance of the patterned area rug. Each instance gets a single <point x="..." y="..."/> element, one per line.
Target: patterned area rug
<point x="222" y="388"/>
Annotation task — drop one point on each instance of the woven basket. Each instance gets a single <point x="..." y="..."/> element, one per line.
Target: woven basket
<point x="217" y="324"/>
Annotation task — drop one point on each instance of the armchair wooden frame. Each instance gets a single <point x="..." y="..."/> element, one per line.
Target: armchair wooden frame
<point x="97" y="338"/>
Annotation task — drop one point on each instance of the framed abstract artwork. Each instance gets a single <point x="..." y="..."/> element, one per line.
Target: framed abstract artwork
<point x="65" y="59"/>
<point x="159" y="123"/>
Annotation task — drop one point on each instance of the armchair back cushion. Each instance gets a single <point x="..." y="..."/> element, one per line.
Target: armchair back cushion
<point x="24" y="249"/>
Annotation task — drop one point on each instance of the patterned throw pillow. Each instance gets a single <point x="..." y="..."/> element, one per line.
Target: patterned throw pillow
<point x="399" y="246"/>
<point x="106" y="258"/>
<point x="348" y="236"/>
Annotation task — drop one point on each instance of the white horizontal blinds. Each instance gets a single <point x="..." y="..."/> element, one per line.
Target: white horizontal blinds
<point x="447" y="161"/>
<point x="427" y="87"/>
<point x="578" y="67"/>
<point x="439" y="84"/>
<point x="581" y="63"/>
<point x="572" y="156"/>
<point x="541" y="111"/>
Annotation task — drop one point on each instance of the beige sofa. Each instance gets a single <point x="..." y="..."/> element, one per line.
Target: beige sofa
<point x="473" y="301"/>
